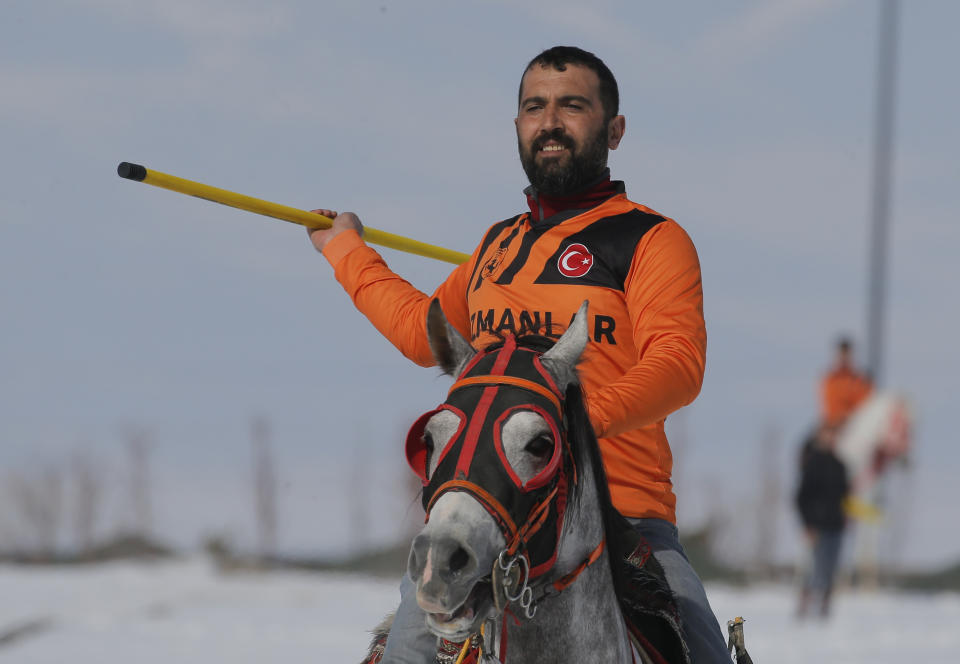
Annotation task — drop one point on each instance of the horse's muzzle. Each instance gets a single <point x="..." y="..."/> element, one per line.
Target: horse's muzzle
<point x="450" y="563"/>
<point x="443" y="559"/>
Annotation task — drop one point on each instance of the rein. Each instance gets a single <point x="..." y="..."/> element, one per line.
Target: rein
<point x="510" y="581"/>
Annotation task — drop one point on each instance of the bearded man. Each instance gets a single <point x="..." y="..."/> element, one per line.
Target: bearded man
<point x="581" y="239"/>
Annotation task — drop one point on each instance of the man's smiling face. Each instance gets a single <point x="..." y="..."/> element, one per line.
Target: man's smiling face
<point x="562" y="132"/>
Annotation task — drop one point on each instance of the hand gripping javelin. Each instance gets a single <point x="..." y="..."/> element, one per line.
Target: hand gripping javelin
<point x="277" y="211"/>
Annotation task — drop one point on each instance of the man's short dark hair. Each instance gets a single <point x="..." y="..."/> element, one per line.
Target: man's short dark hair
<point x="559" y="57"/>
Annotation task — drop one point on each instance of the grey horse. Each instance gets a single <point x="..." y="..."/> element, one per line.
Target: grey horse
<point x="472" y="582"/>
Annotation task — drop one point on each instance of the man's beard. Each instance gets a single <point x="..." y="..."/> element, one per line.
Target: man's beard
<point x="554" y="178"/>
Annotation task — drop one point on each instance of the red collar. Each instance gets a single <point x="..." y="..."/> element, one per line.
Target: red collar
<point x="543" y="206"/>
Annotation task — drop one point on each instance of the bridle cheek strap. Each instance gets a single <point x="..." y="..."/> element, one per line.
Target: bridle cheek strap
<point x="538" y="515"/>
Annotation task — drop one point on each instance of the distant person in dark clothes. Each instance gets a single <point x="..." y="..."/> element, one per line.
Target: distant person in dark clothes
<point x="824" y="487"/>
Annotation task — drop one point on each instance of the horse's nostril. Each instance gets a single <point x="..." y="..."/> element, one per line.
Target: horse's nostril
<point x="459" y="559"/>
<point x="418" y="556"/>
<point x="412" y="566"/>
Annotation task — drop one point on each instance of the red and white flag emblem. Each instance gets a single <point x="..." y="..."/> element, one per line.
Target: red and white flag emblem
<point x="575" y="261"/>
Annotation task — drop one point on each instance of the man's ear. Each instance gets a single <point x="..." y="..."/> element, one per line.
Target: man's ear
<point x="615" y="130"/>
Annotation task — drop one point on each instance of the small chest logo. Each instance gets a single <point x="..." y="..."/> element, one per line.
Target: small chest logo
<point x="493" y="266"/>
<point x="575" y="261"/>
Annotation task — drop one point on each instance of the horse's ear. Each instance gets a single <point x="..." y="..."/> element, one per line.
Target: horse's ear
<point x="450" y="349"/>
<point x="561" y="360"/>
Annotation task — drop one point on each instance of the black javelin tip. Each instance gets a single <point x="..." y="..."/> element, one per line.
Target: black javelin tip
<point x="131" y="171"/>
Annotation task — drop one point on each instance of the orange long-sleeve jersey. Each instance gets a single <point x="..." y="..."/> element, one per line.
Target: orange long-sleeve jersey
<point x="646" y="356"/>
<point x="841" y="391"/>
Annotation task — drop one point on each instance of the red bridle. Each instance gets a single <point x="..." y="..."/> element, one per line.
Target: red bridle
<point x="495" y="384"/>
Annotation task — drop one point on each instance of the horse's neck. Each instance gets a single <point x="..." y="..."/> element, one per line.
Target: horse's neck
<point x="581" y="624"/>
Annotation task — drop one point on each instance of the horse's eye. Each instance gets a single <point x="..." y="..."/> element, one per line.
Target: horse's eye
<point x="540" y="446"/>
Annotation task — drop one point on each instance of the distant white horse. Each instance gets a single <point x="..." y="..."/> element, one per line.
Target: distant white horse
<point x="878" y="433"/>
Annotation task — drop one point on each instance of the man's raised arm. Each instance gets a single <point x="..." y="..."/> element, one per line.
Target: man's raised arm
<point x="395" y="307"/>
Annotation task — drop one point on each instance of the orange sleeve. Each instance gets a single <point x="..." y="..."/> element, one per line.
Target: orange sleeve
<point x="395" y="307"/>
<point x="665" y="303"/>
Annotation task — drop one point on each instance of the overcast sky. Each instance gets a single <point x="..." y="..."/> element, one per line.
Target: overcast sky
<point x="126" y="308"/>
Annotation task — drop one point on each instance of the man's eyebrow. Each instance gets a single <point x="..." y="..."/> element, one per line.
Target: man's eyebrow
<point x="533" y="100"/>
<point x="586" y="101"/>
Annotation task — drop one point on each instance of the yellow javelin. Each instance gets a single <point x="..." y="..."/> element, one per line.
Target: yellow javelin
<point x="277" y="211"/>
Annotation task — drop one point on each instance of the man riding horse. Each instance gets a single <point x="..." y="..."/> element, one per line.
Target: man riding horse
<point x="581" y="239"/>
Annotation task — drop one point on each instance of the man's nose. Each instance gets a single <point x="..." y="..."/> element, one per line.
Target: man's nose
<point x="550" y="119"/>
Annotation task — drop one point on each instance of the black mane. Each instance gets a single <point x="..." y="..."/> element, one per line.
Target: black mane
<point x="586" y="453"/>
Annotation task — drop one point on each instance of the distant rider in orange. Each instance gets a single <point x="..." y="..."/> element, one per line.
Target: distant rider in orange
<point x="843" y="388"/>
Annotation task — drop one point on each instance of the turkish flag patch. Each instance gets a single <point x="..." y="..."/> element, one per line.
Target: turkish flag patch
<point x="575" y="261"/>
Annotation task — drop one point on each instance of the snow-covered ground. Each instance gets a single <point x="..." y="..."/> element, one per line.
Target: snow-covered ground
<point x="186" y="612"/>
